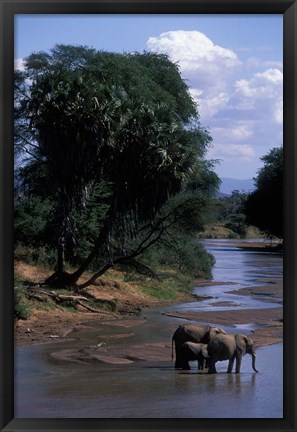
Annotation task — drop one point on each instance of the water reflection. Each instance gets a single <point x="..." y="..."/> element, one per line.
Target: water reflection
<point x="148" y="390"/>
<point x="46" y="388"/>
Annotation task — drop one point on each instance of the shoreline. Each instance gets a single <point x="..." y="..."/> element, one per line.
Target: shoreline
<point x="60" y="326"/>
<point x="54" y="326"/>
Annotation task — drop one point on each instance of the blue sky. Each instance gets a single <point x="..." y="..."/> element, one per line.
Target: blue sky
<point x="232" y="64"/>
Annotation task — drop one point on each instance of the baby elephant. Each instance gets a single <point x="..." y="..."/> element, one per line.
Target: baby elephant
<point x="191" y="351"/>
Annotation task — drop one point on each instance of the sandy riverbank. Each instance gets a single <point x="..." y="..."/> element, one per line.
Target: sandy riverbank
<point x="59" y="325"/>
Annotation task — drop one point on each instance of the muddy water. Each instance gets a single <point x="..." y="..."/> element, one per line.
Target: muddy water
<point x="48" y="388"/>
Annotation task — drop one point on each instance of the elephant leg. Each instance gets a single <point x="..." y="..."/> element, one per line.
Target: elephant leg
<point x="186" y="365"/>
<point x="200" y="364"/>
<point x="238" y="363"/>
<point x="179" y="361"/>
<point x="212" y="367"/>
<point x="230" y="365"/>
<point x="178" y="364"/>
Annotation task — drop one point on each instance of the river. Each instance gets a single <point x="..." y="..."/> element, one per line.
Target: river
<point x="45" y="388"/>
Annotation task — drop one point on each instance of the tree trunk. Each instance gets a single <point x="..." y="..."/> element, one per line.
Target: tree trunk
<point x="61" y="256"/>
<point x="60" y="277"/>
<point x="100" y="240"/>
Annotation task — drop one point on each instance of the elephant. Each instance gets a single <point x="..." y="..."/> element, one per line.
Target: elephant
<point x="230" y="347"/>
<point x="194" y="351"/>
<point x="191" y="333"/>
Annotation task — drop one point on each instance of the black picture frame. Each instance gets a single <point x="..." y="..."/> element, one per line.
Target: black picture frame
<point x="288" y="8"/>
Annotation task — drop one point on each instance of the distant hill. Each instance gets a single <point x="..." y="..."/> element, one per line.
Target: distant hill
<point x="230" y="184"/>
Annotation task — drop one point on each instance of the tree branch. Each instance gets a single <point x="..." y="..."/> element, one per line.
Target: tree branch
<point x="95" y="276"/>
<point x="146" y="243"/>
<point x="124" y="260"/>
<point x="140" y="268"/>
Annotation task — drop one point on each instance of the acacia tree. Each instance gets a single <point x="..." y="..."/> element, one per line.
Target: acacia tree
<point x="264" y="206"/>
<point x="86" y="118"/>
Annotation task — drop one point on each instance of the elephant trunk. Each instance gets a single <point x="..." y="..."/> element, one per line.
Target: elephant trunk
<point x="254" y="362"/>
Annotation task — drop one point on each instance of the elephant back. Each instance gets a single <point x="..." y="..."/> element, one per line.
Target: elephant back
<point x="197" y="333"/>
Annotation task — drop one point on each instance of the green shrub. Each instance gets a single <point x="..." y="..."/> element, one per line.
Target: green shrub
<point x="184" y="254"/>
<point x="42" y="256"/>
<point x="253" y="232"/>
<point x="33" y="219"/>
<point x="22" y="309"/>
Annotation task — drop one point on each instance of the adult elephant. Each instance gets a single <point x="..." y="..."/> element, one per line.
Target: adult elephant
<point x="191" y="351"/>
<point x="230" y="347"/>
<point x="191" y="333"/>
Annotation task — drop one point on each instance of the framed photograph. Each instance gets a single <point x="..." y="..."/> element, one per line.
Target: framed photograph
<point x="148" y="215"/>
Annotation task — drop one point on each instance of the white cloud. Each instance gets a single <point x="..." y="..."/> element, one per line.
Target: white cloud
<point x="240" y="102"/>
<point x="239" y="132"/>
<point x="191" y="49"/>
<point x="232" y="140"/>
<point x="255" y="62"/>
<point x="19" y="64"/>
<point x="210" y="67"/>
<point x="201" y="60"/>
<point x="278" y="111"/>
<point x="262" y="94"/>
<point x="209" y="105"/>
<point x="264" y="85"/>
<point x="205" y="64"/>
<point x="236" y="152"/>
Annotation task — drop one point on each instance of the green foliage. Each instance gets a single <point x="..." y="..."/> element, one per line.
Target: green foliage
<point x="110" y="139"/>
<point x="22" y="310"/>
<point x="33" y="218"/>
<point x="42" y="256"/>
<point x="169" y="285"/>
<point x="264" y="207"/>
<point x="236" y="223"/>
<point x="166" y="77"/>
<point x="231" y="205"/>
<point x="217" y="231"/>
<point x="230" y="213"/>
<point x="89" y="221"/>
<point x="272" y="171"/>
<point x="164" y="290"/>
<point x="182" y="253"/>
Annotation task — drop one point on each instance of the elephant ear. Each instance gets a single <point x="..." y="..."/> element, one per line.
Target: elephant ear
<point x="241" y="343"/>
<point x="216" y="331"/>
<point x="204" y="351"/>
<point x="249" y="346"/>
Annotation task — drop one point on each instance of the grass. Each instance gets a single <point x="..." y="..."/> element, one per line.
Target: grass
<point x="115" y="288"/>
<point x="168" y="287"/>
<point x="23" y="308"/>
<point x="222" y="232"/>
<point x="136" y="288"/>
